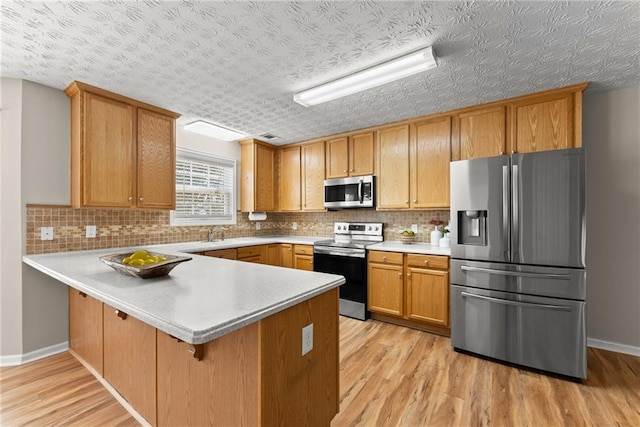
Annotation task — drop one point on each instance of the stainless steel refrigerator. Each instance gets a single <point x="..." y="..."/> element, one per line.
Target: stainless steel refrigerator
<point x="518" y="277"/>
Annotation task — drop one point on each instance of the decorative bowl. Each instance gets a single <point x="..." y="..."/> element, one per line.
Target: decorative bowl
<point x="143" y="271"/>
<point x="407" y="239"/>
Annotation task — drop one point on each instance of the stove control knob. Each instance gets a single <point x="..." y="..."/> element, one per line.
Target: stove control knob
<point x="377" y="228"/>
<point x="369" y="228"/>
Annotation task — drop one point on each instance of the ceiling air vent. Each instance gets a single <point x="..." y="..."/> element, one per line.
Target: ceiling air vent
<point x="269" y="136"/>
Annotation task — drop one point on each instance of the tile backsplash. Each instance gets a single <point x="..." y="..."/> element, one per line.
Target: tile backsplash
<point x="131" y="227"/>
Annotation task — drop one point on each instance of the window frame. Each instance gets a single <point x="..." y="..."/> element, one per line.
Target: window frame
<point x="199" y="156"/>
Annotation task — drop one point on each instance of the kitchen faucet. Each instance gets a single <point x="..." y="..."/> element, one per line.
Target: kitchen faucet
<point x="211" y="235"/>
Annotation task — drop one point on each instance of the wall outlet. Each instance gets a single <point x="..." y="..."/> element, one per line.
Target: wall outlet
<point x="46" y="233"/>
<point x="294" y="225"/>
<point x="307" y="339"/>
<point x="257" y="226"/>
<point x="91" y="231"/>
<point x="414" y="228"/>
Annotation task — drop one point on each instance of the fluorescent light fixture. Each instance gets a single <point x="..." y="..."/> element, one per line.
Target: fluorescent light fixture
<point x="395" y="69"/>
<point x="214" y="131"/>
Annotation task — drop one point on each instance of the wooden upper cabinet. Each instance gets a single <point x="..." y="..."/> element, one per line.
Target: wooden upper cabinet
<point x="549" y="121"/>
<point x="480" y="133"/>
<point x="337" y="158"/>
<point x="313" y="169"/>
<point x="122" y="151"/>
<point x="430" y="157"/>
<point x="393" y="167"/>
<point x="350" y="156"/>
<point x="290" y="178"/>
<point x="257" y="170"/>
<point x="156" y="160"/>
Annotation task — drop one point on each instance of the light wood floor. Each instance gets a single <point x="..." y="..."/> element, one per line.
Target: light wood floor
<point x="389" y="376"/>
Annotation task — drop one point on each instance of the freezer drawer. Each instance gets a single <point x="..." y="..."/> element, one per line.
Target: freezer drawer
<point x="542" y="333"/>
<point x="554" y="282"/>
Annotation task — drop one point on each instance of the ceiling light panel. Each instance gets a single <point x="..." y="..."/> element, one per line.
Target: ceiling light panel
<point x="214" y="131"/>
<point x="386" y="72"/>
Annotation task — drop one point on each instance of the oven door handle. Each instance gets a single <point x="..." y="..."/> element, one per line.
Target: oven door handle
<point x="516" y="273"/>
<point x="340" y="252"/>
<point x="518" y="303"/>
<point x="360" y="192"/>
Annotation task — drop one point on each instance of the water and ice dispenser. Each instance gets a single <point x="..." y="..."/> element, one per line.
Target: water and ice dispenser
<point x="472" y="228"/>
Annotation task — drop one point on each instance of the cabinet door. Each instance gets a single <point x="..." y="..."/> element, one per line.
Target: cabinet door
<point x="543" y="123"/>
<point x="303" y="262"/>
<point x="107" y="160"/>
<point x="430" y="157"/>
<point x="337" y="164"/>
<point x="286" y="255"/>
<point x="156" y="161"/>
<point x="85" y="328"/>
<point x="482" y="133"/>
<point x="252" y="254"/>
<point x="290" y="175"/>
<point x="313" y="166"/>
<point x="130" y="360"/>
<point x="361" y="158"/>
<point x="428" y="296"/>
<point x="385" y="289"/>
<point x="264" y="179"/>
<point x="393" y="168"/>
<point x="273" y="254"/>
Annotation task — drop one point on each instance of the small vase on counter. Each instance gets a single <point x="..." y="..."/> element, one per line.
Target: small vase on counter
<point x="436" y="235"/>
<point x="445" y="242"/>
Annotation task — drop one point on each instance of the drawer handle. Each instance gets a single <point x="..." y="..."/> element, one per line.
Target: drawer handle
<point x="518" y="303"/>
<point x="121" y="314"/>
<point x="82" y="294"/>
<point x="384" y="258"/>
<point x="515" y="273"/>
<point x="197" y="351"/>
<point x="426" y="261"/>
<point x="409" y="275"/>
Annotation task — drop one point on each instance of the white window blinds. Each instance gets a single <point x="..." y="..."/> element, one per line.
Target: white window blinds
<point x="205" y="189"/>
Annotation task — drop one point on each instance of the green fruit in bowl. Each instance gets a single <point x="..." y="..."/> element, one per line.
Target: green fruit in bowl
<point x="408" y="233"/>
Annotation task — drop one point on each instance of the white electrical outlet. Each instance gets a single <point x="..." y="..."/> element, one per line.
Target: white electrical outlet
<point x="307" y="339"/>
<point x="414" y="228"/>
<point x="257" y="226"/>
<point x="46" y="233"/>
<point x="294" y="225"/>
<point x="91" y="231"/>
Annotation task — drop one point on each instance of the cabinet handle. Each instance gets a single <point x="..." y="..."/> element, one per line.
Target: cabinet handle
<point x="399" y="274"/>
<point x="141" y="199"/>
<point x="121" y="314"/>
<point x="502" y="153"/>
<point x="353" y="170"/>
<point x="82" y="294"/>
<point x="409" y="275"/>
<point x="513" y="151"/>
<point x="406" y="202"/>
<point x="415" y="200"/>
<point x="384" y="258"/>
<point x="130" y="198"/>
<point x="426" y="261"/>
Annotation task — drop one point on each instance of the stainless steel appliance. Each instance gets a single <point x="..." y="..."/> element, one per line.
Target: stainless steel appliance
<point x="518" y="277"/>
<point x="346" y="255"/>
<point x="354" y="192"/>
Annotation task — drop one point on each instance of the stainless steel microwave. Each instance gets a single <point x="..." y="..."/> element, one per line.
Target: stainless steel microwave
<point x="354" y="192"/>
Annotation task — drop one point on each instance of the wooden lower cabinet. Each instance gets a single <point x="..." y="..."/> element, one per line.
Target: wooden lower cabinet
<point x="256" y="375"/>
<point x="130" y="360"/>
<point x="412" y="287"/>
<point x="286" y="255"/>
<point x="222" y="253"/>
<point x="303" y="257"/>
<point x="273" y="254"/>
<point x="85" y="328"/>
<point x="255" y="254"/>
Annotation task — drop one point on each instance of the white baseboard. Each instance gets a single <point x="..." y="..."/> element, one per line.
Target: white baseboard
<point x="613" y="346"/>
<point x="19" y="359"/>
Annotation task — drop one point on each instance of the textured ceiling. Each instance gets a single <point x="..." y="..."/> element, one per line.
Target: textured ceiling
<point x="238" y="64"/>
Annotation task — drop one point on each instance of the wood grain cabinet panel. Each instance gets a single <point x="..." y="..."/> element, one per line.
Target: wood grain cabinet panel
<point x="430" y="158"/>
<point x="481" y="133"/>
<point x="351" y="155"/>
<point x="85" y="328"/>
<point x="393" y="167"/>
<point x="122" y="151"/>
<point x="255" y="254"/>
<point x="290" y="179"/>
<point x="223" y="253"/>
<point x="428" y="295"/>
<point x="156" y="160"/>
<point x="337" y="162"/>
<point x="313" y="171"/>
<point x="273" y="254"/>
<point x="257" y="176"/>
<point x="286" y="255"/>
<point x="130" y="360"/>
<point x="303" y="257"/>
<point x="386" y="288"/>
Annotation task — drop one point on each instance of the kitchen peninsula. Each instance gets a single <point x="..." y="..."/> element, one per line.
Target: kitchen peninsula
<point x="214" y="342"/>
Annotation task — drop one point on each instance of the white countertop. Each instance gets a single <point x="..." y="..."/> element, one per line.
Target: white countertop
<point x="414" y="248"/>
<point x="201" y="299"/>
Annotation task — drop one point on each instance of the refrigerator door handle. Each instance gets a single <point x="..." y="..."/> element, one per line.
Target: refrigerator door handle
<point x="516" y="273"/>
<point x="505" y="211"/>
<point x="518" y="303"/>
<point x="515" y="199"/>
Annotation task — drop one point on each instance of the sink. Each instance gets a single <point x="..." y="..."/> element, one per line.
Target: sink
<point x="211" y="241"/>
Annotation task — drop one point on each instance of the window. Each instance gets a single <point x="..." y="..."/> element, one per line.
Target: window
<point x="205" y="189"/>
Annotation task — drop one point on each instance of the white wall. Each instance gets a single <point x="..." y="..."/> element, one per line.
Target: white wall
<point x="10" y="219"/>
<point x="611" y="136"/>
<point x="45" y="180"/>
